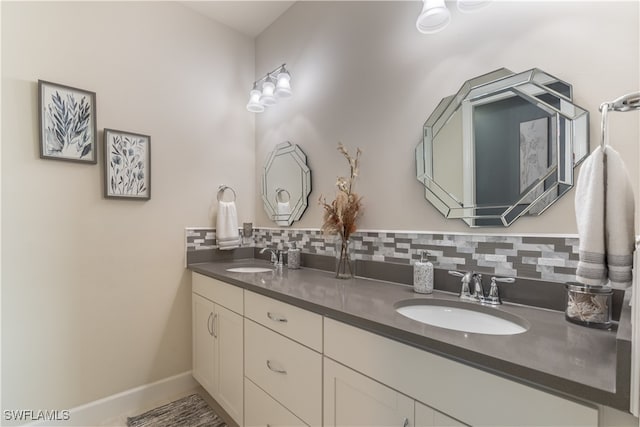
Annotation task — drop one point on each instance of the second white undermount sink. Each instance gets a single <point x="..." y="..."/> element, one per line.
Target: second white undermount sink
<point x="249" y="270"/>
<point x="448" y="315"/>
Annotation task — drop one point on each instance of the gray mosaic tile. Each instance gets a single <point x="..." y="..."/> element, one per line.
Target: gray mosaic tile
<point x="504" y="255"/>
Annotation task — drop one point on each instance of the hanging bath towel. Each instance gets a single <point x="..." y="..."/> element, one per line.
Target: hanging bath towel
<point x="283" y="212"/>
<point x="227" y="234"/>
<point x="605" y="218"/>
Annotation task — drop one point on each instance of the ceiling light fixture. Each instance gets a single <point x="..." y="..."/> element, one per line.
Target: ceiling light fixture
<point x="434" y="17"/>
<point x="273" y="86"/>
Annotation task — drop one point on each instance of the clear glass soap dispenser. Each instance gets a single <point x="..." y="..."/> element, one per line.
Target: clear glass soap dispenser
<point x="423" y="275"/>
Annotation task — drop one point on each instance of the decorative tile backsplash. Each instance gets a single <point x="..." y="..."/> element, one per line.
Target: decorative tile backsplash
<point x="548" y="258"/>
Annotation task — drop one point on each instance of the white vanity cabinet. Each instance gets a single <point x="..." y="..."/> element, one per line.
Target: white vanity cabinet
<point x="283" y="359"/>
<point x="455" y="390"/>
<point x="218" y="342"/>
<point x="269" y="363"/>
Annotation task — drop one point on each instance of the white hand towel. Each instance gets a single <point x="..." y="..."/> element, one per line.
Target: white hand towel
<point x="605" y="219"/>
<point x="620" y="221"/>
<point x="589" y="206"/>
<point x="227" y="235"/>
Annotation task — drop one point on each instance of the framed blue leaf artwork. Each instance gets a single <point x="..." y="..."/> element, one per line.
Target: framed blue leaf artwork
<point x="68" y="128"/>
<point x="127" y="158"/>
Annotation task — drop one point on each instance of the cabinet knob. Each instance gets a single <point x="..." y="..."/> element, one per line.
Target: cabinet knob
<point x="276" y="318"/>
<point x="406" y="422"/>
<point x="278" y="371"/>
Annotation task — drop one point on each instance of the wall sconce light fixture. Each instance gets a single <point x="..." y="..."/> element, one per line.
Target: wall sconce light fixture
<point x="267" y="90"/>
<point x="469" y="6"/>
<point x="435" y="16"/>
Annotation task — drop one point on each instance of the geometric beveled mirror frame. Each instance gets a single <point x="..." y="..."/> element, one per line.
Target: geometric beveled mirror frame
<point x="286" y="184"/>
<point x="505" y="145"/>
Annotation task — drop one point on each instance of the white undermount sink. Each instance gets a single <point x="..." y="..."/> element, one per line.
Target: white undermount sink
<point x="449" y="315"/>
<point x="249" y="270"/>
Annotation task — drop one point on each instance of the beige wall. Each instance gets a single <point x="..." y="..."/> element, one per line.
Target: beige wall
<point x="362" y="74"/>
<point x="95" y="298"/>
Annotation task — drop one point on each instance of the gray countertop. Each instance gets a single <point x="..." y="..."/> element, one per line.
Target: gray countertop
<point x="553" y="354"/>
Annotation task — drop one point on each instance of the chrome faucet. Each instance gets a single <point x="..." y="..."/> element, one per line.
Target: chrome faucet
<point x="475" y="280"/>
<point x="276" y="257"/>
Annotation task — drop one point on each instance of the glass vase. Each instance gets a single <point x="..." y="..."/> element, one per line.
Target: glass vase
<point x="345" y="263"/>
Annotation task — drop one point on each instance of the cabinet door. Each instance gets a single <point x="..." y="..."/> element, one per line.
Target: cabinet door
<point x="203" y="342"/>
<point x="351" y="399"/>
<point x="228" y="333"/>
<point x="429" y="417"/>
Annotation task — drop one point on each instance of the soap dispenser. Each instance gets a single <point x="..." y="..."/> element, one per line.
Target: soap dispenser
<point x="293" y="257"/>
<point x="423" y="275"/>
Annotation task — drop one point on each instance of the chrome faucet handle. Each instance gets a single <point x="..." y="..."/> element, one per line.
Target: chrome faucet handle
<point x="494" y="295"/>
<point x="465" y="293"/>
<point x="478" y="290"/>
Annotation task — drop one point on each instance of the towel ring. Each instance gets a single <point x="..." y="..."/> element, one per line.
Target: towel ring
<point x="604" y="107"/>
<point x="279" y="192"/>
<point x="222" y="189"/>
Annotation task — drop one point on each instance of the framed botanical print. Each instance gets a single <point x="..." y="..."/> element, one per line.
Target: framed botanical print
<point x="127" y="165"/>
<point x="68" y="128"/>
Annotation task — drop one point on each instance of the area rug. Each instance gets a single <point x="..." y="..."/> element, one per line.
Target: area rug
<point x="190" y="411"/>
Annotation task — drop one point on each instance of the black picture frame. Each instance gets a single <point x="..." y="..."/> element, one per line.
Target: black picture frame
<point x="127" y="165"/>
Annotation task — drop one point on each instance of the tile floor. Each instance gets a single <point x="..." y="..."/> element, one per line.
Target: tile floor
<point x="121" y="419"/>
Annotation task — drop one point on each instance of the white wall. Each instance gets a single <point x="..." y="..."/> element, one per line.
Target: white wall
<point x="362" y="74"/>
<point x="95" y="298"/>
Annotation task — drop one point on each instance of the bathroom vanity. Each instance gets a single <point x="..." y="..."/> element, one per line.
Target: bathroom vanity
<point x="300" y="347"/>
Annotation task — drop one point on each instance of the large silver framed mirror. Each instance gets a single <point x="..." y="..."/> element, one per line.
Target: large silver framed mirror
<point x="505" y="145"/>
<point x="286" y="184"/>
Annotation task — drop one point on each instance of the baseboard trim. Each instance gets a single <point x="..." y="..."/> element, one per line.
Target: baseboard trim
<point x="96" y="412"/>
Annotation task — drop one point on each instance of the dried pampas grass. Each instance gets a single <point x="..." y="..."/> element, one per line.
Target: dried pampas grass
<point x="342" y="214"/>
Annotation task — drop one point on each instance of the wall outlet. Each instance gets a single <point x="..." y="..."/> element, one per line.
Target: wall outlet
<point x="247" y="229"/>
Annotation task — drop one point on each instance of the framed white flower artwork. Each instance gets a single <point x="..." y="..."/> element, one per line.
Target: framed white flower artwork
<point x="127" y="161"/>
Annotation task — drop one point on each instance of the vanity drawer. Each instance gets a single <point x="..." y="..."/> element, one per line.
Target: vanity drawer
<point x="221" y="293"/>
<point x="289" y="372"/>
<point x="298" y="324"/>
<point x="261" y="410"/>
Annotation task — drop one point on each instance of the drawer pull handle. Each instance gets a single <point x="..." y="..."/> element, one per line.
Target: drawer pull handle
<point x="278" y="371"/>
<point x="276" y="318"/>
<point x="210" y="324"/>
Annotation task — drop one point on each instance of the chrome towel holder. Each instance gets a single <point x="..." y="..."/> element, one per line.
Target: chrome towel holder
<point x="628" y="102"/>
<point x="221" y="189"/>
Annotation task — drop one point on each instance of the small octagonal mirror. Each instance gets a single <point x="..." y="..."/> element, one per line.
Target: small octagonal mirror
<point x="286" y="184"/>
<point x="505" y="145"/>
